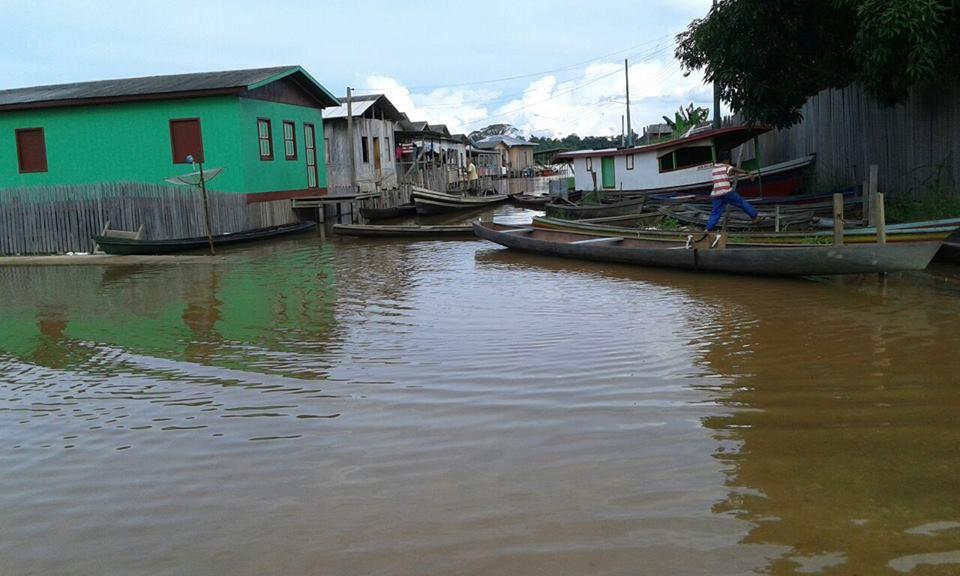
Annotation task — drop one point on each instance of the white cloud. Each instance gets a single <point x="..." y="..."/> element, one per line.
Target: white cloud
<point x="589" y="103"/>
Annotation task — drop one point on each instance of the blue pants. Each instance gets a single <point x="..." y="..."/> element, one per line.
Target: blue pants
<point x="720" y="204"/>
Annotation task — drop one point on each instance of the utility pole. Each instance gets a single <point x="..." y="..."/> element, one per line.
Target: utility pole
<point x="351" y="149"/>
<point x="623" y="133"/>
<point x="626" y="73"/>
<point x="716" y="87"/>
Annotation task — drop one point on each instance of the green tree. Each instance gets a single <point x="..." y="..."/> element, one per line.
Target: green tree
<point x="686" y="118"/>
<point x="769" y="56"/>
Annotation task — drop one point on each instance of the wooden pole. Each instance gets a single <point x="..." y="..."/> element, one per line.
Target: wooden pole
<point x="626" y="73"/>
<point x="350" y="145"/>
<point x="881" y="227"/>
<point x="872" y="183"/>
<point x="865" y="198"/>
<point x="838" y="219"/>
<point x="206" y="207"/>
<point x="881" y="219"/>
<point x="776" y="220"/>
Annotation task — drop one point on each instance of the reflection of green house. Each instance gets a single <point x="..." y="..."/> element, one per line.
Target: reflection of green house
<point x="263" y="125"/>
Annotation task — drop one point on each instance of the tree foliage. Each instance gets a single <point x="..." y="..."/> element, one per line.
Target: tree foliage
<point x="575" y="142"/>
<point x="769" y="56"/>
<point x="686" y="118"/>
<point x="494" y="130"/>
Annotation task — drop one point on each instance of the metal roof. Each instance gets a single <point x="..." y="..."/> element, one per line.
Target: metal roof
<point x="361" y="104"/>
<point x="724" y="138"/>
<point x="159" y="87"/>
<point x="508" y="141"/>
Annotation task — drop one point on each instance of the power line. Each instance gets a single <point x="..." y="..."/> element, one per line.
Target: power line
<point x="666" y="71"/>
<point x="507" y="97"/>
<point x="504" y="113"/>
<point x="531" y="74"/>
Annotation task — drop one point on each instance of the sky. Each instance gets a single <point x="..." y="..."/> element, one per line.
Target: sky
<point x="550" y="68"/>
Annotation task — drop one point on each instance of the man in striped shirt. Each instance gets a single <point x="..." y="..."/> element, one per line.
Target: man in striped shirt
<point x="724" y="192"/>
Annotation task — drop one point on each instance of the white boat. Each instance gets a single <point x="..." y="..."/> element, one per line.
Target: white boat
<point x="680" y="166"/>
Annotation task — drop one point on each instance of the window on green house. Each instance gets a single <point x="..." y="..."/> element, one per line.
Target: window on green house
<point x="186" y="140"/>
<point x="364" y="151"/>
<point x="289" y="141"/>
<point x="31" y="150"/>
<point x="265" y="138"/>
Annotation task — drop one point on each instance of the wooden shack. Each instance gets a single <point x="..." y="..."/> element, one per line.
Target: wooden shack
<point x="375" y="120"/>
<point x="516" y="154"/>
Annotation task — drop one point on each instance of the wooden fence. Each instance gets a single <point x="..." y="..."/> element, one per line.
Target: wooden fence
<point x="915" y="144"/>
<point x="61" y="219"/>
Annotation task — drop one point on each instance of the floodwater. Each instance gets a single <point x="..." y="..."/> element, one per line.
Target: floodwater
<point x="351" y="407"/>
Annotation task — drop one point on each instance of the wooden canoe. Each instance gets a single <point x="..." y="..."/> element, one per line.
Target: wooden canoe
<point x="908" y="232"/>
<point x="130" y="246"/>
<point x="579" y="211"/>
<point x="385" y="231"/>
<point x="385" y="213"/>
<point x="793" y="260"/>
<point x="529" y="200"/>
<point x="433" y="202"/>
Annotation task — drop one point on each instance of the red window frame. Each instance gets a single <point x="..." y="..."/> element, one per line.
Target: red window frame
<point x="198" y="157"/>
<point x="31" y="167"/>
<point x="268" y="139"/>
<point x="292" y="140"/>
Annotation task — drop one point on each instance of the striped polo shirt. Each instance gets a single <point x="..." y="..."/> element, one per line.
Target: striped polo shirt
<point x="722" y="180"/>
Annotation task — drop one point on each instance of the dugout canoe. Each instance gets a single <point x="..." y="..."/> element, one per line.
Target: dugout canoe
<point x="927" y="231"/>
<point x="433" y="202"/>
<point x="129" y="246"/>
<point x="529" y="200"/>
<point x="581" y="211"/>
<point x="772" y="260"/>
<point x="385" y="213"/>
<point x="384" y="231"/>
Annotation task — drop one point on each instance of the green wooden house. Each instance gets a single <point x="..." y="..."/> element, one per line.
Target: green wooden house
<point x="263" y="126"/>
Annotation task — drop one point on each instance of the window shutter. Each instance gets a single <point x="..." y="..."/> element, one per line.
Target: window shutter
<point x="186" y="140"/>
<point x="31" y="150"/>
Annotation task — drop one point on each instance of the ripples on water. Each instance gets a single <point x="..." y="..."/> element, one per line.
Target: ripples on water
<point x="439" y="407"/>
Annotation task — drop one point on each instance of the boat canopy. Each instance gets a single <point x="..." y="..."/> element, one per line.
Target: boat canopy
<point x="721" y="139"/>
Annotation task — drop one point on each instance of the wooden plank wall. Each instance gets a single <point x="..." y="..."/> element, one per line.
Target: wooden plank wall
<point x="61" y="219"/>
<point x="338" y="164"/>
<point x="915" y="144"/>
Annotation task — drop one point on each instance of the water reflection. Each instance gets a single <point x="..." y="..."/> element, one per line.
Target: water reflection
<point x="446" y="406"/>
<point x="839" y="435"/>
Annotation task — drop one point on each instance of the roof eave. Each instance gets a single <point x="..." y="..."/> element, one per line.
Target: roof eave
<point x="327" y="98"/>
<point x="71" y="102"/>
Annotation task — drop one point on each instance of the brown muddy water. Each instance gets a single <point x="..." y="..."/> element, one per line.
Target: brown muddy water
<point x="348" y="407"/>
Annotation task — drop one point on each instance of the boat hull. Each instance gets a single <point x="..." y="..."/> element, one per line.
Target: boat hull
<point x="622" y="208"/>
<point x="131" y="247"/>
<point x="529" y="201"/>
<point x="432" y="202"/>
<point x="753" y="260"/>
<point x="401" y="231"/>
<point x="385" y="213"/>
<point x="895" y="233"/>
